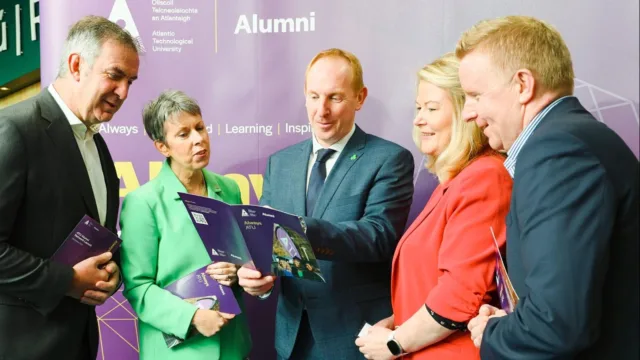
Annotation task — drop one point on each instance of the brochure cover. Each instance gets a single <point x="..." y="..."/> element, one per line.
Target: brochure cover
<point x="267" y="239"/>
<point x="87" y="239"/>
<point x="200" y="289"/>
<point x="508" y="296"/>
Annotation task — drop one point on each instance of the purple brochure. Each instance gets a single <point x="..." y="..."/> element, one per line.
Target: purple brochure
<point x="266" y="239"/>
<point x="257" y="225"/>
<point x="200" y="289"/>
<point x="218" y="229"/>
<point x="506" y="303"/>
<point x="287" y="252"/>
<point x="87" y="239"/>
<point x="506" y="292"/>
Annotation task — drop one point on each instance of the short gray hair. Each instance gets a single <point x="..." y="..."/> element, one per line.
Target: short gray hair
<point x="87" y="36"/>
<point x="161" y="109"/>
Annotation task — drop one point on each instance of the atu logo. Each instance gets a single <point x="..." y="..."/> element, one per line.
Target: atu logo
<point x="121" y="15"/>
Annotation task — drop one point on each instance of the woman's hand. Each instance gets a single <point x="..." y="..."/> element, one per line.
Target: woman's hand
<point x="374" y="345"/>
<point x="223" y="272"/>
<point x="386" y="323"/>
<point x="209" y="322"/>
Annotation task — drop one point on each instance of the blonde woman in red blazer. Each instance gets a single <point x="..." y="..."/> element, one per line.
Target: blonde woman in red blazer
<point x="443" y="268"/>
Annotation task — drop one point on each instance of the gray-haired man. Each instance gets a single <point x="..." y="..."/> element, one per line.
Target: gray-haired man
<point x="55" y="169"/>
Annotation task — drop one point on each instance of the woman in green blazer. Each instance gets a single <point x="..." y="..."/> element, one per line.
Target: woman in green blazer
<point x="161" y="245"/>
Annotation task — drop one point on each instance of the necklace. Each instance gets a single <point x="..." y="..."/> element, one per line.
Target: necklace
<point x="200" y="189"/>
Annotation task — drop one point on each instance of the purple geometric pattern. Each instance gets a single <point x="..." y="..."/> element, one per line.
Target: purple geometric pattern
<point x="618" y="113"/>
<point x="118" y="327"/>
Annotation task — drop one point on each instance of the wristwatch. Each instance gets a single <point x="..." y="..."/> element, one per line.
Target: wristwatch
<point x="393" y="345"/>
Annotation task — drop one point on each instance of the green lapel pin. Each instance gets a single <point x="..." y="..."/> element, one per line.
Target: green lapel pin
<point x="354" y="156"/>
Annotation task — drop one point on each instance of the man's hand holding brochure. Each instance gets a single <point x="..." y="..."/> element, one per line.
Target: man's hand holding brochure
<point x="89" y="249"/>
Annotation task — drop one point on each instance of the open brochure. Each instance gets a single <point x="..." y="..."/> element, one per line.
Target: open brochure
<point x="266" y="239"/>
<point x="87" y="239"/>
<point x="200" y="289"/>
<point x="506" y="292"/>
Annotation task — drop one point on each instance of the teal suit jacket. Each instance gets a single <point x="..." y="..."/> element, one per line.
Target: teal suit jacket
<point x="357" y="221"/>
<point x="160" y="245"/>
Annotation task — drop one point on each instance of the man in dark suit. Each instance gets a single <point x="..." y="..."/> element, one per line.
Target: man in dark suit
<point x="55" y="169"/>
<point x="354" y="218"/>
<point x="572" y="229"/>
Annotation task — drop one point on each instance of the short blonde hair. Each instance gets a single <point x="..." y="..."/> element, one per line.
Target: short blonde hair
<point x="522" y="42"/>
<point x="357" y="80"/>
<point x="467" y="139"/>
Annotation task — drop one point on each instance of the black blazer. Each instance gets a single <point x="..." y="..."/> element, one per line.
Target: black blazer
<point x="358" y="219"/>
<point x="572" y="245"/>
<point x="44" y="192"/>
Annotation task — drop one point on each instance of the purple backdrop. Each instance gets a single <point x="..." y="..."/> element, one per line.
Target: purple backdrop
<point x="244" y="78"/>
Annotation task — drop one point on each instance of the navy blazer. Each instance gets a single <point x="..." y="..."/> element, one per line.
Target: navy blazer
<point x="358" y="219"/>
<point x="572" y="245"/>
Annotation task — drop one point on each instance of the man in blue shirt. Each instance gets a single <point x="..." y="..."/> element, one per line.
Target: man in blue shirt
<point x="572" y="229"/>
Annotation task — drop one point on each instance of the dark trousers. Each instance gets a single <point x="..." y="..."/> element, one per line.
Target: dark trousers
<point x="305" y="346"/>
<point x="84" y="353"/>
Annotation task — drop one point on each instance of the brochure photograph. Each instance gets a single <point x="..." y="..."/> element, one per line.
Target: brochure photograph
<point x="293" y="256"/>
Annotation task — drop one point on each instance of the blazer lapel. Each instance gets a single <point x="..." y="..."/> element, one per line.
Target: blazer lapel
<point x="437" y="195"/>
<point x="173" y="186"/>
<point x="351" y="153"/>
<point x="111" y="180"/>
<point x="213" y="188"/>
<point x="298" y="179"/>
<point x="59" y="131"/>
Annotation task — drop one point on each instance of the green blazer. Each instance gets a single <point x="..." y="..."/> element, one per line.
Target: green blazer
<point x="159" y="246"/>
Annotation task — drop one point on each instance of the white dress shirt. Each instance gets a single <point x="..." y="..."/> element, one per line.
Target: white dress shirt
<point x="338" y="147"/>
<point x="90" y="155"/>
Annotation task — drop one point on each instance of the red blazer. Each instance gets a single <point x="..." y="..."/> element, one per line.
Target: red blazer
<point x="446" y="258"/>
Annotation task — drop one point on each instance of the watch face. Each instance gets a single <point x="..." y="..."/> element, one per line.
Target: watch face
<point x="394" y="347"/>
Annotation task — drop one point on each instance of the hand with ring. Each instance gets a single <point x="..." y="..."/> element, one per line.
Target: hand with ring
<point x="223" y="272"/>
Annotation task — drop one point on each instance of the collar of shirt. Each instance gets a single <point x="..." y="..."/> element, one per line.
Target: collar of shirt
<point x="512" y="154"/>
<point x="80" y="130"/>
<point x="338" y="146"/>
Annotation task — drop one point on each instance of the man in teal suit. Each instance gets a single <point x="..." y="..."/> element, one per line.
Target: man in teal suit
<point x="355" y="190"/>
